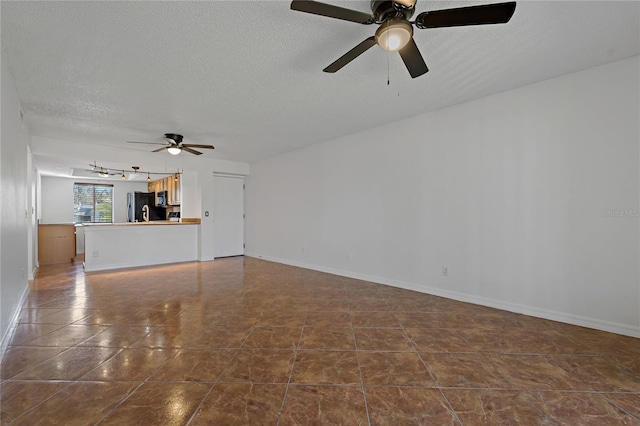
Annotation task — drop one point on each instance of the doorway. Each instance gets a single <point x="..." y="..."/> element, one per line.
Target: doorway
<point x="228" y="216"/>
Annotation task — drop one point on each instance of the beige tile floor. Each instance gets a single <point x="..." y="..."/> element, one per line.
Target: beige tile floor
<point x="244" y="341"/>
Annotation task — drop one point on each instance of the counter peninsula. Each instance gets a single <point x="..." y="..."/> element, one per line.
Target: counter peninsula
<point x="134" y="244"/>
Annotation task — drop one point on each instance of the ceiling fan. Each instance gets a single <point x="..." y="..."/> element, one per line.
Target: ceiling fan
<point x="395" y="31"/>
<point x="173" y="143"/>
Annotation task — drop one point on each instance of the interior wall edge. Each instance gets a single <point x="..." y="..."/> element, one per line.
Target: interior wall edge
<point x="582" y="321"/>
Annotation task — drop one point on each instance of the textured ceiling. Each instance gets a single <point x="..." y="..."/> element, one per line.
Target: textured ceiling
<point x="246" y="76"/>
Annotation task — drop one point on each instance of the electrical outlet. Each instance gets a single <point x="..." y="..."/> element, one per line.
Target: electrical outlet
<point x="348" y="257"/>
<point x="302" y="250"/>
<point x="445" y="271"/>
<point x="95" y="253"/>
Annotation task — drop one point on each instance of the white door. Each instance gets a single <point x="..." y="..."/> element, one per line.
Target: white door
<point x="228" y="216"/>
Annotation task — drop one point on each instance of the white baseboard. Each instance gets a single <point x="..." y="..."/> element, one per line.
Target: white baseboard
<point x="33" y="273"/>
<point x="598" y="324"/>
<point x="12" y="324"/>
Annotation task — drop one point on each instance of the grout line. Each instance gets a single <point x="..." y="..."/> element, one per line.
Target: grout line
<point x="364" y="390"/>
<point x="634" y="415"/>
<point x="544" y="415"/>
<point x="293" y="366"/>
<point x="155" y="370"/>
<point x="433" y="377"/>
<point x="64" y="349"/>
<point x="217" y="381"/>
<point x="10" y="344"/>
<point x="44" y="400"/>
<point x="72" y="381"/>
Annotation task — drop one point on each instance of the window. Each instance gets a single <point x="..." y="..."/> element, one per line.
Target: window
<point x="92" y="203"/>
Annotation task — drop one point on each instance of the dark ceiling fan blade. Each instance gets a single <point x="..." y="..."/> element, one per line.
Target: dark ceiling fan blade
<point x="193" y="151"/>
<point x="148" y="143"/>
<point x="498" y="13"/>
<point x="193" y="145"/>
<point x="351" y="55"/>
<point x="331" y="11"/>
<point x="160" y="149"/>
<point x="413" y="60"/>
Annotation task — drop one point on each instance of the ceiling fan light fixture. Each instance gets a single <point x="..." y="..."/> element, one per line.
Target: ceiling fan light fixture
<point x="394" y="34"/>
<point x="174" y="150"/>
<point x="123" y="177"/>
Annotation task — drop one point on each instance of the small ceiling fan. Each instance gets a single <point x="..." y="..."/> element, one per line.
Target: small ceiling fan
<point x="173" y="143"/>
<point x="395" y="31"/>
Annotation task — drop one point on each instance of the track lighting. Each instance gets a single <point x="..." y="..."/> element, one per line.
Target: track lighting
<point x="106" y="172"/>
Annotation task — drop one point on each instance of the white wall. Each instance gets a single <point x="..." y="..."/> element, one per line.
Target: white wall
<point x="15" y="206"/>
<point x="207" y="236"/>
<point x="57" y="197"/>
<point x="509" y="192"/>
<point x="32" y="226"/>
<point x="190" y="189"/>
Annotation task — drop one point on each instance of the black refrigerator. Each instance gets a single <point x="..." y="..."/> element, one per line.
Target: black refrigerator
<point x="135" y="203"/>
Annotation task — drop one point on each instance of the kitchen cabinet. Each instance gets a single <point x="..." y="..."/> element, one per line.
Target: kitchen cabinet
<point x="175" y="189"/>
<point x="158" y="186"/>
<point x="56" y="243"/>
<point x="170" y="184"/>
<point x="154" y="187"/>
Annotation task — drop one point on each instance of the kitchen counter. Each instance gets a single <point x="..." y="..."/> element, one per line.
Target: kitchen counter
<point x="134" y="244"/>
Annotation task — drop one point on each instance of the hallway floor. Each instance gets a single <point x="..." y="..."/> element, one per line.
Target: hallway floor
<point x="244" y="341"/>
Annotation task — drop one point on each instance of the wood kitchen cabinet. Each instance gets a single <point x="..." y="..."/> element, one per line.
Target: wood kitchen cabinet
<point x="175" y="190"/>
<point x="170" y="184"/>
<point x="154" y="187"/>
<point x="158" y="186"/>
<point x="56" y="243"/>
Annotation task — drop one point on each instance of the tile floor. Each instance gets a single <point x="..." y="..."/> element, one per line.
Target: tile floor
<point x="245" y="341"/>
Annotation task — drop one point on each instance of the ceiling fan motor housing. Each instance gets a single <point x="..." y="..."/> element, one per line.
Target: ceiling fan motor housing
<point x="174" y="137"/>
<point x="384" y="10"/>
